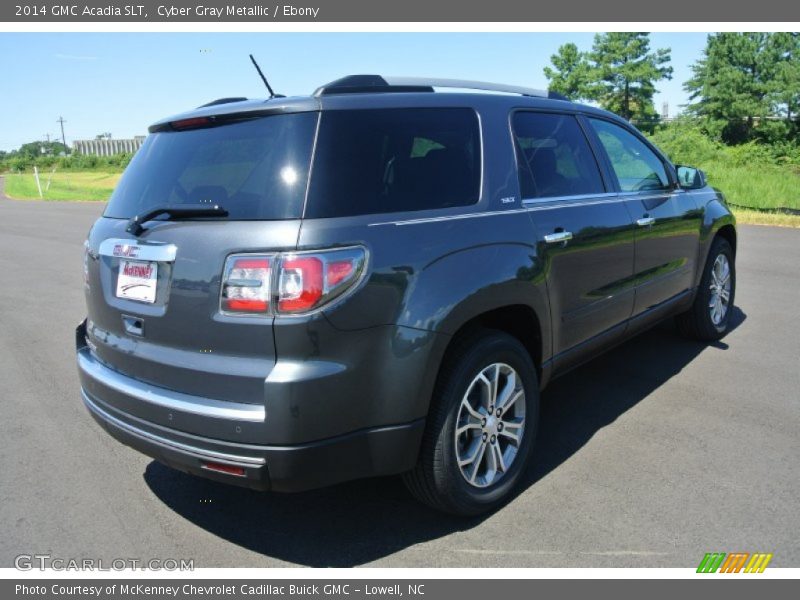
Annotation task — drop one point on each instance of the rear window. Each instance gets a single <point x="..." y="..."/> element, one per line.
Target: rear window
<point x="393" y="160"/>
<point x="554" y="157"/>
<point x="256" y="169"/>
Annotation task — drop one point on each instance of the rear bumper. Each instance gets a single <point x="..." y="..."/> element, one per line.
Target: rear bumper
<point x="112" y="397"/>
<point x="374" y="452"/>
<point x="381" y="451"/>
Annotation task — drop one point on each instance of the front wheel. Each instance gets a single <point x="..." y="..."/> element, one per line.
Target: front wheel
<point x="481" y="426"/>
<point x="709" y="317"/>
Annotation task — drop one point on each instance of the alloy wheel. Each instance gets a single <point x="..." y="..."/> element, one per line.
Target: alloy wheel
<point x="490" y="425"/>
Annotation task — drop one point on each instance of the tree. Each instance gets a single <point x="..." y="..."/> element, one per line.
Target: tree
<point x="33" y="150"/>
<point x="571" y="74"/>
<point x="784" y="87"/>
<point x="747" y="86"/>
<point x="625" y="73"/>
<point x="619" y="73"/>
<point x="728" y="87"/>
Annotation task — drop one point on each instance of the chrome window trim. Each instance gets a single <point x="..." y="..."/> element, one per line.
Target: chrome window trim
<point x="532" y="201"/>
<point x="536" y="204"/>
<point x="473" y="215"/>
<point x="197" y="405"/>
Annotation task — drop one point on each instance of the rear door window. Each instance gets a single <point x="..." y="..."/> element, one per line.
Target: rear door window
<point x="553" y="156"/>
<point x="394" y="160"/>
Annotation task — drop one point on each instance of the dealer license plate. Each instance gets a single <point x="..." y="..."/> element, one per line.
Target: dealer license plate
<point x="137" y="280"/>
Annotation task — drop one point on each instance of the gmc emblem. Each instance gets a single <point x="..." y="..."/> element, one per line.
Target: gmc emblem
<point x="126" y="251"/>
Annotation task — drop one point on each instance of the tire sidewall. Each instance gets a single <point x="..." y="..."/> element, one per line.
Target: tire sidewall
<point x="497" y="348"/>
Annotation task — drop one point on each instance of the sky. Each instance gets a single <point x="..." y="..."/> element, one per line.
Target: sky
<point x="122" y="82"/>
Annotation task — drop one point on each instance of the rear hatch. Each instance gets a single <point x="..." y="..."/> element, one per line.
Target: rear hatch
<point x="154" y="299"/>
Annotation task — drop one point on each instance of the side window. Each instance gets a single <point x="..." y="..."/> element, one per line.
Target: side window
<point x="636" y="166"/>
<point x="394" y="160"/>
<point x="554" y="157"/>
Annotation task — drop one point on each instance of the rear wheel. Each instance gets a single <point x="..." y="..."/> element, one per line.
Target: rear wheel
<point x="709" y="317"/>
<point x="481" y="426"/>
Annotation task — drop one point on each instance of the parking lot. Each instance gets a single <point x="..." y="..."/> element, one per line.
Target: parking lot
<point x="651" y="455"/>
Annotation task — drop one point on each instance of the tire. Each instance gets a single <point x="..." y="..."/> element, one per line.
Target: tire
<point x="699" y="321"/>
<point x="437" y="479"/>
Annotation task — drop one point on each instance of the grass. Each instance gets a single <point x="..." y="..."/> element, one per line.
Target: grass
<point x="756" y="186"/>
<point x="64" y="185"/>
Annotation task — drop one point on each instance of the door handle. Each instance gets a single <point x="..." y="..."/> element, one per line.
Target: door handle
<point x="645" y="221"/>
<point x="558" y="236"/>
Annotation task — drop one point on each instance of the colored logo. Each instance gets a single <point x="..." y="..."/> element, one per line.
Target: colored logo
<point x="735" y="562"/>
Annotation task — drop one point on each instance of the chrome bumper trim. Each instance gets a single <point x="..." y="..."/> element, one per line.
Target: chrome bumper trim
<point x="244" y="461"/>
<point x="169" y="399"/>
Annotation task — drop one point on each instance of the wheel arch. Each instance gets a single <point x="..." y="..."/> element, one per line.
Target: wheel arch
<point x="520" y="321"/>
<point x="728" y="232"/>
<point x="718" y="221"/>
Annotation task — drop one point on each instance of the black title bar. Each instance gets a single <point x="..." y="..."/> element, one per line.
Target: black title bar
<point x="441" y="11"/>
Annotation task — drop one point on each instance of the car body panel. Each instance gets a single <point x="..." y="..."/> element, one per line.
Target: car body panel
<point x="360" y="373"/>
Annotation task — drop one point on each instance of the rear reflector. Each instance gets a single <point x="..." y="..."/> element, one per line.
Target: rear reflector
<point x="223" y="468"/>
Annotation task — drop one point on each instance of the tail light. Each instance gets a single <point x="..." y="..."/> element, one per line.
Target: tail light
<point x="302" y="281"/>
<point x="246" y="287"/>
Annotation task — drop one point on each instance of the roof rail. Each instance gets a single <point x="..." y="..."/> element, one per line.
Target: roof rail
<point x="355" y="84"/>
<point x="467" y="85"/>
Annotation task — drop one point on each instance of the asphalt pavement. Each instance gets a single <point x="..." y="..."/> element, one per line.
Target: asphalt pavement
<point x="651" y="455"/>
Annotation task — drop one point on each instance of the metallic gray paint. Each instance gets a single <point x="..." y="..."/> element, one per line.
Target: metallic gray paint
<point x="370" y="363"/>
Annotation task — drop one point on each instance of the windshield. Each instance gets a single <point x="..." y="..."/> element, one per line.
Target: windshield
<point x="255" y="169"/>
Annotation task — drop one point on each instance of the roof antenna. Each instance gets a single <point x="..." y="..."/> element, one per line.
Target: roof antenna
<point x="264" y="79"/>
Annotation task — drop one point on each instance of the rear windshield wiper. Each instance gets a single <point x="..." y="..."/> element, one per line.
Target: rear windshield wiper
<point x="180" y="211"/>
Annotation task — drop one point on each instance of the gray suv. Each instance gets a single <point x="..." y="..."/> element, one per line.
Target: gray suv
<point x="380" y="278"/>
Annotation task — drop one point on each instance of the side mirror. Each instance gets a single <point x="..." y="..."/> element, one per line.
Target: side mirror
<point x="690" y="178"/>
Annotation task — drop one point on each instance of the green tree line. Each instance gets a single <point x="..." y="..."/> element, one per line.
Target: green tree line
<point x="745" y="87"/>
<point x="22" y="161"/>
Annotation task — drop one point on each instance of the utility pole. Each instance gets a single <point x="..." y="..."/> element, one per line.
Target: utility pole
<point x="63" y="139"/>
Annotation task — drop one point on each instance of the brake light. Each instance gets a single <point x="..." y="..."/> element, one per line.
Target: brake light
<point x="191" y="123"/>
<point x="304" y="281"/>
<point x="246" y="286"/>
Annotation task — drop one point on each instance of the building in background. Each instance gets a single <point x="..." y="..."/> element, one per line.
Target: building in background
<point x="106" y="146"/>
